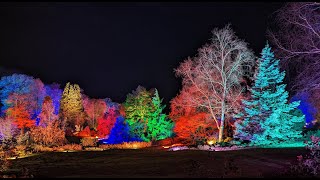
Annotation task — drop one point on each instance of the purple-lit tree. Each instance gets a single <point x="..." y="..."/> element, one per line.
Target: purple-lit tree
<point x="297" y="42"/>
<point x="7" y="129"/>
<point x="54" y="91"/>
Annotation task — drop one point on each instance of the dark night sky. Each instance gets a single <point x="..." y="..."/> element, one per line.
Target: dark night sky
<point x="111" y="48"/>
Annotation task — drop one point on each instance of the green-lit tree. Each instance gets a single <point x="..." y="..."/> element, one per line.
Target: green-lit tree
<point x="159" y="125"/>
<point x="144" y="115"/>
<point x="268" y="119"/>
<point x="138" y="106"/>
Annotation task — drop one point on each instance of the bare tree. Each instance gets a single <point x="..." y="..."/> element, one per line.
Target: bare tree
<point x="297" y="38"/>
<point x="211" y="80"/>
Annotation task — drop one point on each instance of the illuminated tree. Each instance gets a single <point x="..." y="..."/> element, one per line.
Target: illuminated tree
<point x="47" y="114"/>
<point x="48" y="132"/>
<point x="71" y="105"/>
<point x="212" y="80"/>
<point x="158" y="126"/>
<point x="269" y="120"/>
<point x="18" y="112"/>
<point x="55" y="93"/>
<point x="37" y="94"/>
<point x="144" y="115"/>
<point x="49" y="135"/>
<point x="106" y="123"/>
<point x="138" y="106"/>
<point x="296" y="37"/>
<point x="21" y="84"/>
<point x="307" y="108"/>
<point x="187" y="122"/>
<point x="95" y="109"/>
<point x="7" y="129"/>
<point x="120" y="133"/>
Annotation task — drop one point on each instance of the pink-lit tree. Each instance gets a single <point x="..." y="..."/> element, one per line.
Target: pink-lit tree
<point x="7" y="129"/>
<point x="95" y="109"/>
<point x="212" y="79"/>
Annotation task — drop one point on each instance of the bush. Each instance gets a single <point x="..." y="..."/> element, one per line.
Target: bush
<point x="23" y="138"/>
<point x="4" y="163"/>
<point x="50" y="135"/>
<point x="308" y="165"/>
<point x="70" y="147"/>
<point x="89" y="141"/>
<point x="41" y="148"/>
<point x="205" y="147"/>
<point x="20" y="150"/>
<point x="127" y="145"/>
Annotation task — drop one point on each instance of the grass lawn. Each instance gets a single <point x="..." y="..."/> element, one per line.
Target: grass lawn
<point x="153" y="162"/>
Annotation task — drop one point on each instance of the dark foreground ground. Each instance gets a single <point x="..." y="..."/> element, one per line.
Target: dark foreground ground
<point x="152" y="162"/>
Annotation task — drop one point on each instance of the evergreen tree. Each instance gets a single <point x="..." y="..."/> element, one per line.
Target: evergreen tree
<point x="71" y="105"/>
<point x="268" y="118"/>
<point x="159" y="126"/>
<point x="138" y="106"/>
<point x="144" y="115"/>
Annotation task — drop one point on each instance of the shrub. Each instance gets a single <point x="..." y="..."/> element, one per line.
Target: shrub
<point x="126" y="145"/>
<point x="4" y="163"/>
<point x="20" y="150"/>
<point x="23" y="138"/>
<point x="308" y="165"/>
<point x="205" y="147"/>
<point x="70" y="147"/>
<point x="89" y="141"/>
<point x="41" y="148"/>
<point x="50" y="135"/>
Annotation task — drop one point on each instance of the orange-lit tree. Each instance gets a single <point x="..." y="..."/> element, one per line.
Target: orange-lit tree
<point x="48" y="132"/>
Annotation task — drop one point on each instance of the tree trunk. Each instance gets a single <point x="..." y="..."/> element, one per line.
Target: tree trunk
<point x="223" y="105"/>
<point x="221" y="127"/>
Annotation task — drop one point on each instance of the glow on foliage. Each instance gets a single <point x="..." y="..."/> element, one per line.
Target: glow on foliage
<point x="268" y="118"/>
<point x="144" y="115"/>
<point x="306" y="107"/>
<point x="71" y="105"/>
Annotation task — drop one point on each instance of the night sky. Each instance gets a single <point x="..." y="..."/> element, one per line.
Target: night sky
<point x="111" y="48"/>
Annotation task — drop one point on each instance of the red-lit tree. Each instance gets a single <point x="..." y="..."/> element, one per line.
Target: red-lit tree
<point x="190" y="124"/>
<point x="18" y="111"/>
<point x="106" y="123"/>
